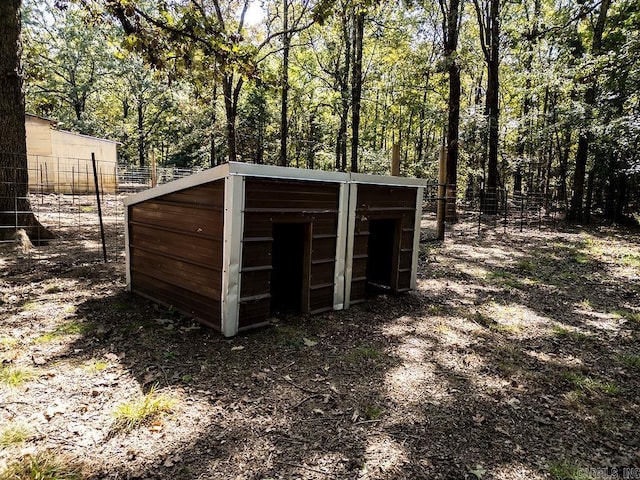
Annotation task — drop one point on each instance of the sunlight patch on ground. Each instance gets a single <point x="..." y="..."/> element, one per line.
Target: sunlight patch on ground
<point x="453" y="293"/>
<point x="406" y="386"/>
<point x="516" y="471"/>
<point x="513" y="317"/>
<point x="492" y="256"/>
<point x="607" y="321"/>
<point x="383" y="456"/>
<point x="474" y="271"/>
<point x="566" y="361"/>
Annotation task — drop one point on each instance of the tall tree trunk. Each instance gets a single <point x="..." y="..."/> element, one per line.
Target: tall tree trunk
<point x="423" y="113"/>
<point x="284" y="123"/>
<point x="141" y="140"/>
<point x="584" y="136"/>
<point x="356" y="86"/>
<point x="493" y="87"/>
<point x="341" y="145"/>
<point x="212" y="137"/>
<point x="450" y="27"/>
<point x="489" y="23"/>
<point x="14" y="177"/>
<point x="230" y="108"/>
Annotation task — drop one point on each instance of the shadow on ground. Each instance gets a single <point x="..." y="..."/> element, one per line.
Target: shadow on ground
<point x="517" y="357"/>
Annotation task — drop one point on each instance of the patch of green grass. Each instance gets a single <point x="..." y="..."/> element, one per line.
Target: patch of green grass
<point x="170" y="355"/>
<point x="525" y="266"/>
<point x="629" y="360"/>
<point x="69" y="328"/>
<point x="288" y="336"/>
<point x="372" y="412"/>
<point x="87" y="208"/>
<point x="15" y="376"/>
<point x="14" y="433"/>
<point x="568" y="470"/>
<point x="507" y="279"/>
<point x="569" y="276"/>
<point x="43" y="466"/>
<point x="8" y="343"/>
<point x="628" y="315"/>
<point x="630" y="260"/>
<point x="95" y="366"/>
<point x="30" y="306"/>
<point x="53" y="289"/>
<point x="498" y="274"/>
<point x="363" y="352"/>
<point x="505" y="328"/>
<point x="564" y="332"/>
<point x="591" y="385"/>
<point x="580" y="257"/>
<point x="142" y="410"/>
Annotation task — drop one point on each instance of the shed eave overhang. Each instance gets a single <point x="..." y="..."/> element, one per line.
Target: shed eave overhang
<point x="271" y="172"/>
<point x="200" y="178"/>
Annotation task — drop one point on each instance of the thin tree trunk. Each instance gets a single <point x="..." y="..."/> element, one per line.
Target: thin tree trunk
<point x="356" y="86"/>
<point x="284" y="123"/>
<point x="230" y="113"/>
<point x="141" y="139"/>
<point x="341" y="148"/>
<point x="493" y="86"/>
<point x="450" y="27"/>
<point x="212" y="138"/>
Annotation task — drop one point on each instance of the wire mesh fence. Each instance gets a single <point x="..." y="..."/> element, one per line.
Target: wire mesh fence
<point x="81" y="202"/>
<point x="499" y="210"/>
<point x="78" y="200"/>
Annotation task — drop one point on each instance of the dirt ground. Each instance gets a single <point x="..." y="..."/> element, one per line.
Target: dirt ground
<point x="518" y="357"/>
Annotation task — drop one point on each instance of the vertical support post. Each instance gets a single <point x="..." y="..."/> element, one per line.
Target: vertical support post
<point x="417" y="229"/>
<point x="341" y="247"/>
<point x="442" y="179"/>
<point x="480" y="207"/>
<point x="395" y="160"/>
<point x="351" y="228"/>
<point x="506" y="200"/>
<point x="154" y="174"/>
<point x="521" y="211"/>
<point x="95" y="181"/>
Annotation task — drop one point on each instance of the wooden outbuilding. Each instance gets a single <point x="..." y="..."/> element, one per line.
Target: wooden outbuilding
<point x="60" y="161"/>
<point x="237" y="244"/>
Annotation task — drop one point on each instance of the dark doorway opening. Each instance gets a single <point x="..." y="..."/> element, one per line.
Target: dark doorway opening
<point x="289" y="259"/>
<point x="381" y="255"/>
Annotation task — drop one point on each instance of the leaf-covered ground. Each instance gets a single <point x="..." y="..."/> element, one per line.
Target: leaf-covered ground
<point x="518" y="357"/>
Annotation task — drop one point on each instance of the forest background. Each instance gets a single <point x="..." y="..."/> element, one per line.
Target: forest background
<point x="531" y="96"/>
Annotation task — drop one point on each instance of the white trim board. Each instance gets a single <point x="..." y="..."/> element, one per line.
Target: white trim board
<point x="269" y="171"/>
<point x="211" y="175"/>
<point x="232" y="254"/>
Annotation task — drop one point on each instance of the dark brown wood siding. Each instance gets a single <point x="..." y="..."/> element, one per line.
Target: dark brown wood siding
<point x="269" y="201"/>
<point x="175" y="250"/>
<point x="380" y="202"/>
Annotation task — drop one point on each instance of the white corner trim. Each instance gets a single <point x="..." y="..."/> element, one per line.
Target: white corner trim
<point x="127" y="252"/>
<point x="341" y="247"/>
<point x="351" y="228"/>
<point x="388" y="180"/>
<point x="286" y="173"/>
<point x="416" y="237"/>
<point x="232" y="254"/>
